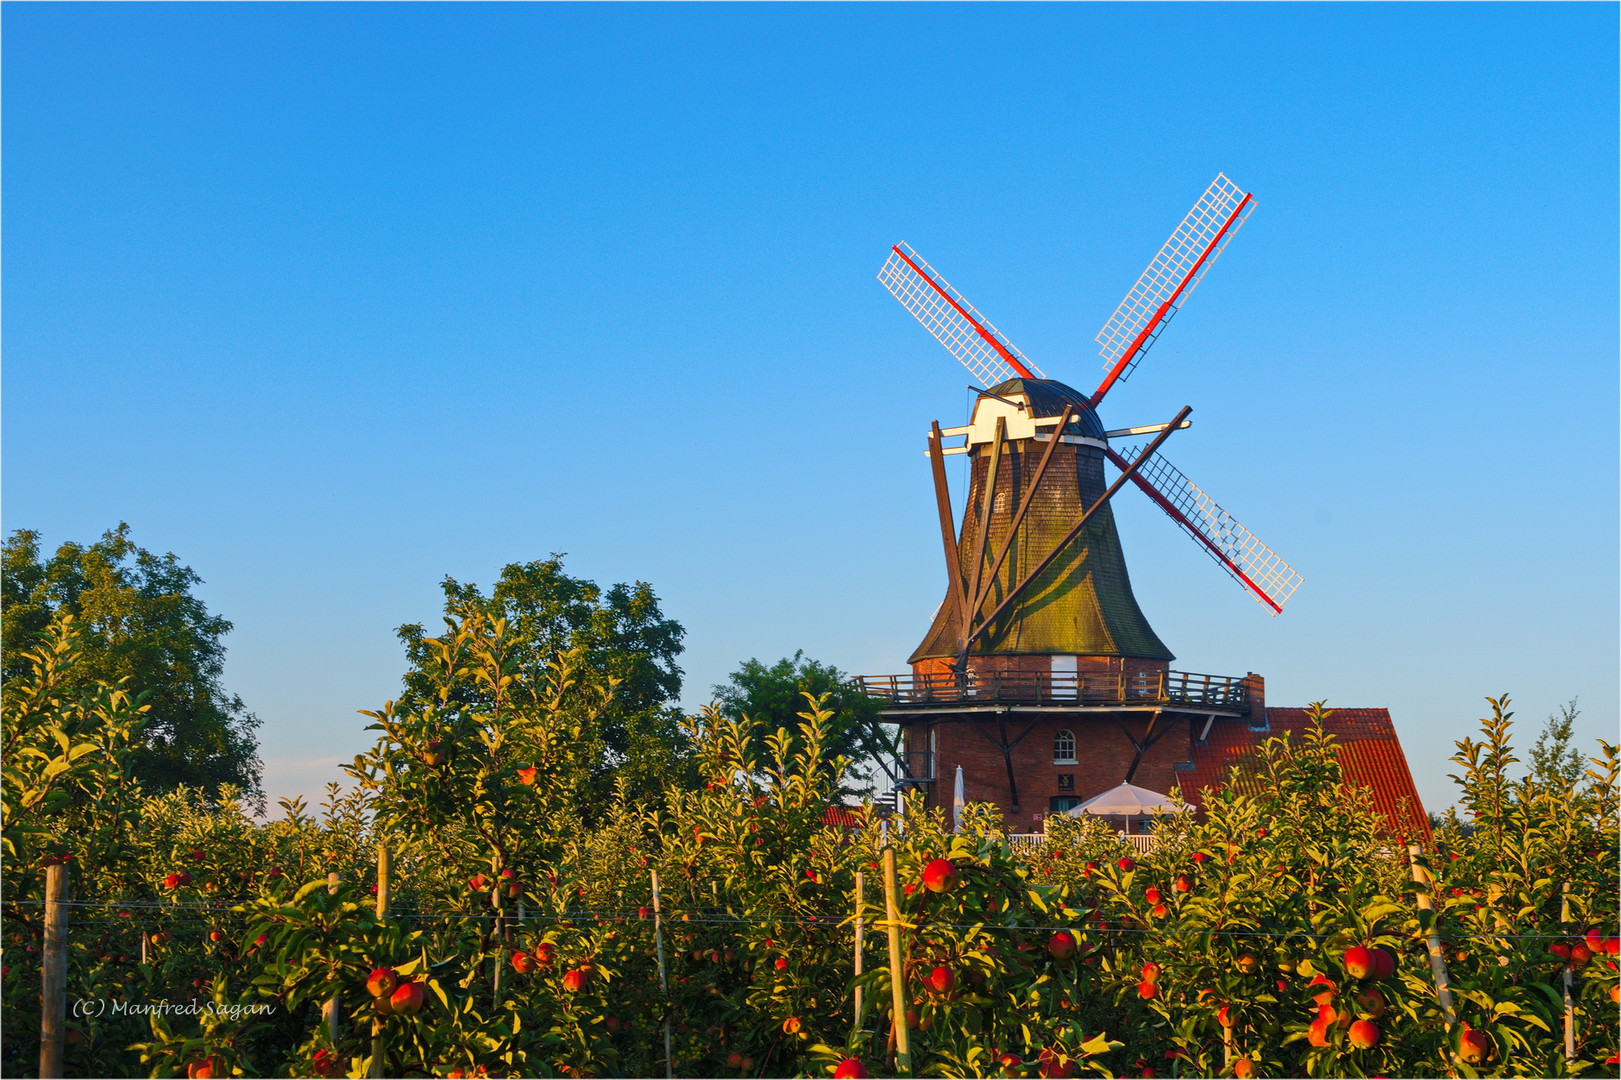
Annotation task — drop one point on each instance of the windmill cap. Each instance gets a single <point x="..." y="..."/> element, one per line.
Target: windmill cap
<point x="1048" y="397"/>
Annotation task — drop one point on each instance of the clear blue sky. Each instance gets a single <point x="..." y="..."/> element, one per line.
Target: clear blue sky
<point x="333" y="301"/>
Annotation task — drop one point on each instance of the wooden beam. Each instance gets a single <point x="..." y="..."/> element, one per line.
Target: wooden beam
<point x="1057" y="549"/>
<point x="989" y="494"/>
<point x="1018" y="515"/>
<point x="948" y="532"/>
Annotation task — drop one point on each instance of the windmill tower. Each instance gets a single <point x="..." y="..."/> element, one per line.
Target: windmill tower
<point x="1039" y="644"/>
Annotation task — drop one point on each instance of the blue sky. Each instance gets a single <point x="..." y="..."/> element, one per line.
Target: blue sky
<point x="333" y="301"/>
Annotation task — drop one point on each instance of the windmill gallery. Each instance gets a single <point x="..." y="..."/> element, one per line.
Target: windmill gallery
<point x="1040" y="678"/>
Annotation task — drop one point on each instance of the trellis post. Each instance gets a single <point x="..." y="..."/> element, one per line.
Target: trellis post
<point x="1438" y="962"/>
<point x="54" y="973"/>
<point x="664" y="978"/>
<point x="897" y="977"/>
<point x="861" y="929"/>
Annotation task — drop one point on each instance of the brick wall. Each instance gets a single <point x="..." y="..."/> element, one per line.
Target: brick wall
<point x="1103" y="755"/>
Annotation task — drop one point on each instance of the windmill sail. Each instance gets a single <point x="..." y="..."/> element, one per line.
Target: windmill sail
<point x="981" y="348"/>
<point x="1170" y="278"/>
<point x="1239" y="551"/>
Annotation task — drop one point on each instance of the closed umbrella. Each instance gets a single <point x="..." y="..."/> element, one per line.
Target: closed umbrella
<point x="957" y="803"/>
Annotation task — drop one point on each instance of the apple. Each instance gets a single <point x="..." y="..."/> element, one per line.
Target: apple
<point x="1384" y="964"/>
<point x="1560" y="949"/>
<point x="1127" y="863"/>
<point x="642" y="913"/>
<point x="478" y="883"/>
<point x="1612" y="945"/>
<point x="1009" y="1063"/>
<point x="1088" y="868"/>
<point x="1243" y="1068"/>
<point x="1054" y="1065"/>
<point x="1595" y="940"/>
<point x="523" y="963"/>
<point x="215" y="935"/>
<point x="543" y="953"/>
<point x="1061" y="945"/>
<point x="526" y="777"/>
<point x="1474" y="1046"/>
<point x="1224" y="1017"/>
<point x="1317" y="1033"/>
<point x="1261" y="832"/>
<point x="382" y="983"/>
<point x="1201" y="856"/>
<point x="408" y="998"/>
<point x="940" y="876"/>
<point x="792" y="1025"/>
<point x="613" y="1023"/>
<point x="1159" y="911"/>
<point x="1580" y="954"/>
<point x="273" y="873"/>
<point x="432" y="756"/>
<point x="781" y="964"/>
<point x="1371" y="1002"/>
<point x="734" y="1060"/>
<point x="1364" y="1034"/>
<point x="748" y="1063"/>
<point x="206" y="1069"/>
<point x="1147" y="991"/>
<point x="1359" y="962"/>
<point x="576" y="979"/>
<point x="851" y="1069"/>
<point x="1183" y="883"/>
<point x="940" y="979"/>
<point x="1248" y="964"/>
<point x="1151" y="895"/>
<point x="176" y="881"/>
<point x="1151" y="972"/>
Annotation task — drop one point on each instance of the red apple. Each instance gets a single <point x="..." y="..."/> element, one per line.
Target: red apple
<point x="1159" y="911"/>
<point x="792" y="1025"/>
<point x="432" y="755"/>
<point x="1061" y="945"/>
<point x="1364" y="1034"/>
<point x="523" y="963"/>
<point x="850" y="1069"/>
<point x="1384" y="964"/>
<point x="1147" y="991"/>
<point x="1054" y="1065"/>
<point x="543" y="953"/>
<point x="939" y="876"/>
<point x="1317" y="1033"/>
<point x="1359" y="962"/>
<point x="1151" y="895"/>
<point x="1474" y="1047"/>
<point x="1127" y="863"/>
<point x="643" y="913"/>
<point x="1371" y="1002"/>
<point x="781" y="964"/>
<point x="1248" y="964"/>
<point x="1201" y="856"/>
<point x="526" y="777"/>
<point x="408" y="998"/>
<point x="382" y="982"/>
<point x="1010" y="1062"/>
<point x="734" y="1060"/>
<point x="1243" y="1068"/>
<point x="176" y="881"/>
<point x="1560" y="949"/>
<point x="940" y="979"/>
<point x="1580" y="954"/>
<point x="1151" y="972"/>
<point x="1184" y="883"/>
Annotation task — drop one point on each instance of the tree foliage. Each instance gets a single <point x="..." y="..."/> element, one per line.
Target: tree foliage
<point x="141" y="627"/>
<point x="616" y="643"/>
<point x="774" y="698"/>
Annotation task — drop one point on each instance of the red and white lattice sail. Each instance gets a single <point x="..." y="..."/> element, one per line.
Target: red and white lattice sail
<point x="1239" y="551"/>
<point x="981" y="348"/>
<point x="1170" y="279"/>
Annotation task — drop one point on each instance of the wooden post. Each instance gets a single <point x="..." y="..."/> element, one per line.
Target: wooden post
<point x="1227" y="1045"/>
<point x="664" y="978"/>
<point x="1570" y="1003"/>
<point x="1438" y="962"/>
<point x="329" y="1007"/>
<point x="143" y="945"/>
<point x="53" y="990"/>
<point x="497" y="894"/>
<point x="861" y="929"/>
<point x="897" y="969"/>
<point x="379" y="1066"/>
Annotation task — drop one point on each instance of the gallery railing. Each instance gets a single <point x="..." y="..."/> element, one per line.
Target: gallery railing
<point x="1058" y="688"/>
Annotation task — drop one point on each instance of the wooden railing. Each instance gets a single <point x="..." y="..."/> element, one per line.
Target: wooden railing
<point x="1143" y="842"/>
<point x="1058" y="688"/>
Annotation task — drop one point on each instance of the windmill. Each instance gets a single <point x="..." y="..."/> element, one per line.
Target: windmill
<point x="1038" y="603"/>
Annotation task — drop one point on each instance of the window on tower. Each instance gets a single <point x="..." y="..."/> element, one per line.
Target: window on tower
<point x="1064" y="747"/>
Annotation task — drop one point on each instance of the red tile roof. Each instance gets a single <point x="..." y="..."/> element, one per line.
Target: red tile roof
<point x="848" y="817"/>
<point x="1370" y="756"/>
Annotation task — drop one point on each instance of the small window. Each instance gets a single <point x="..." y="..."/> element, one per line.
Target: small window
<point x="1064" y="747"/>
<point x="1059" y="803"/>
